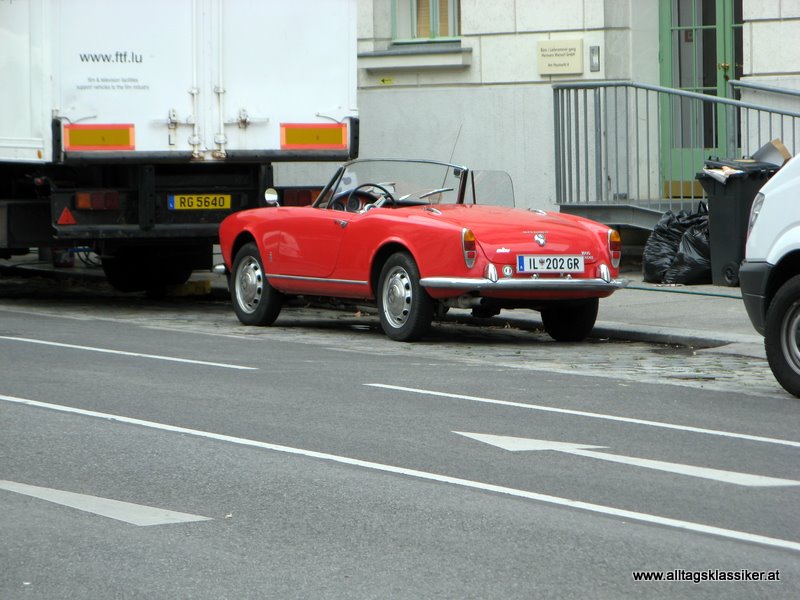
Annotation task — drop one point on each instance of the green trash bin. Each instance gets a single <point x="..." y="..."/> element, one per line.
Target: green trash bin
<point x="729" y="212"/>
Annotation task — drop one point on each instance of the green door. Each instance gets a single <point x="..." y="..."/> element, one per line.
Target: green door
<point x="701" y="49"/>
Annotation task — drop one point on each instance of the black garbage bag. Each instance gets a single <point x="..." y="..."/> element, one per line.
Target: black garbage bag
<point x="692" y="262"/>
<point x="661" y="247"/>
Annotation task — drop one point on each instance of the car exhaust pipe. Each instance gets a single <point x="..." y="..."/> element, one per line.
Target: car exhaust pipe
<point x="464" y="302"/>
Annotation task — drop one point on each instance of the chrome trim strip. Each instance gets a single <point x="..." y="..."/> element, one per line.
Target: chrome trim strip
<point x="533" y="285"/>
<point x="326" y="280"/>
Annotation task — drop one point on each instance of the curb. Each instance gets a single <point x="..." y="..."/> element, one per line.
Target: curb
<point x="215" y="287"/>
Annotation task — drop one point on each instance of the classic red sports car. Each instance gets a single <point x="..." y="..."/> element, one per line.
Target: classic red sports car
<point x="418" y="237"/>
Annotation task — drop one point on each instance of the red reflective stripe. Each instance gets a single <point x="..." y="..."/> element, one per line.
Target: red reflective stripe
<point x="313" y="136"/>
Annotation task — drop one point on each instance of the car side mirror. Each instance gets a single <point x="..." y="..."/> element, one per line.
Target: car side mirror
<point x="271" y="197"/>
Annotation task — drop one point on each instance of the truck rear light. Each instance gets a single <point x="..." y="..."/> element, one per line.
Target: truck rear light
<point x="97" y="200"/>
<point x="469" y="247"/>
<point x="300" y="196"/>
<point x="614" y="247"/>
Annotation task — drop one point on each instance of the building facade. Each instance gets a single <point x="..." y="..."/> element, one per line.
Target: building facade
<point x="472" y="81"/>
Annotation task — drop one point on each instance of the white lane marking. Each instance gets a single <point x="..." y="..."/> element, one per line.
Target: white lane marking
<point x="581" y="413"/>
<point x="123" y="353"/>
<point x="135" y="514"/>
<point x="740" y="536"/>
<point x="518" y="444"/>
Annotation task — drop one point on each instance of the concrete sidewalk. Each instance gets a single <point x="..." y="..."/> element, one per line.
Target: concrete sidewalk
<point x="698" y="315"/>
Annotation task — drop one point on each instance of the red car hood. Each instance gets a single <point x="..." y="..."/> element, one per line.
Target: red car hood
<point x="512" y="230"/>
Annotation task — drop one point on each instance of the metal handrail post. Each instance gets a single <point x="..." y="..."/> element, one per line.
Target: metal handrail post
<point x="598" y="147"/>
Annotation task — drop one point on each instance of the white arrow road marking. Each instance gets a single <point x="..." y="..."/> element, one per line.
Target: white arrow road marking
<point x="122" y="352"/>
<point x="517" y="444"/>
<point x="135" y="514"/>
<point x="730" y="534"/>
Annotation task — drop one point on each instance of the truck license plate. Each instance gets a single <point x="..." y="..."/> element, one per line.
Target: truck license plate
<point x="549" y="263"/>
<point x="199" y="201"/>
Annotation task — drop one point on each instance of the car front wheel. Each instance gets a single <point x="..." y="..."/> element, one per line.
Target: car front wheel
<point x="404" y="307"/>
<point x="255" y="301"/>
<point x="571" y="322"/>
<point x="782" y="336"/>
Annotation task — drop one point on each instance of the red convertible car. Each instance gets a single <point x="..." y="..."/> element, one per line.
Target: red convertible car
<point x="416" y="238"/>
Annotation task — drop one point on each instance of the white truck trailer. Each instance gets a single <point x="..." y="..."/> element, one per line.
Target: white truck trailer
<point x="134" y="128"/>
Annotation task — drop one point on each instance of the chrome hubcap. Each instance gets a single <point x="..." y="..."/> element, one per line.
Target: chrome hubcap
<point x="790" y="330"/>
<point x="249" y="284"/>
<point x="397" y="297"/>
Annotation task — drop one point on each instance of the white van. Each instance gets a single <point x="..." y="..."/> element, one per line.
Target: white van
<point x="770" y="274"/>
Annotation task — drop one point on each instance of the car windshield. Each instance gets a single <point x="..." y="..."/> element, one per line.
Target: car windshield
<point x="409" y="182"/>
<point x="412" y="182"/>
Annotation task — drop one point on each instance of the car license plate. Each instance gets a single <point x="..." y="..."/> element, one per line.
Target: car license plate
<point x="199" y="201"/>
<point x="549" y="263"/>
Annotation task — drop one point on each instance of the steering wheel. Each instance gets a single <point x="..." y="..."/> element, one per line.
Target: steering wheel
<point x="387" y="195"/>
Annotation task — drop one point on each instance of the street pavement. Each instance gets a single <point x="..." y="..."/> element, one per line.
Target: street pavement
<point x="696" y="315"/>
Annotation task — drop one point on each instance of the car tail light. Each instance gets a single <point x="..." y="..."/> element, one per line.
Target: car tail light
<point x="614" y="247"/>
<point x="469" y="247"/>
<point x="97" y="200"/>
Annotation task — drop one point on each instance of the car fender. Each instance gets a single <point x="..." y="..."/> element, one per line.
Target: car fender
<point x="774" y="235"/>
<point x="787" y="243"/>
<point x="436" y="249"/>
<point x="434" y="246"/>
<point x="243" y="225"/>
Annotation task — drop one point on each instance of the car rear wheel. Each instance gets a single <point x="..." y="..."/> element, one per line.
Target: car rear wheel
<point x="571" y="322"/>
<point x="782" y="336"/>
<point x="404" y="307"/>
<point x="255" y="301"/>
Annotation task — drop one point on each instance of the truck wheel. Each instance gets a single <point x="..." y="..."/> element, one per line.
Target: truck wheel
<point x="571" y="322"/>
<point x="125" y="274"/>
<point x="404" y="307"/>
<point x="782" y="336"/>
<point x="128" y="273"/>
<point x="255" y="301"/>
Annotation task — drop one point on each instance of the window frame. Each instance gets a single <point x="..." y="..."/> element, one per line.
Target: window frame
<point x="454" y="18"/>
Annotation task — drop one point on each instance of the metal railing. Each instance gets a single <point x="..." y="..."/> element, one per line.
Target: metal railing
<point x="624" y="143"/>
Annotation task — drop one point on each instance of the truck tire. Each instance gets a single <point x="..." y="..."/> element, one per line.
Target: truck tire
<point x="781" y="333"/>
<point x="124" y="274"/>
<point x="571" y="322"/>
<point x="127" y="273"/>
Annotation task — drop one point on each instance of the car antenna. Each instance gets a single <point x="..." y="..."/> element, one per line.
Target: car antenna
<point x="458" y="135"/>
<point x="453" y="152"/>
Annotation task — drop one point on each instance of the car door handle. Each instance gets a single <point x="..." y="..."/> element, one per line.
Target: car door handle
<point x="341" y="223"/>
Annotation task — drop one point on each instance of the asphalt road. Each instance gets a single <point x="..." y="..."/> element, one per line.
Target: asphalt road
<point x="158" y="449"/>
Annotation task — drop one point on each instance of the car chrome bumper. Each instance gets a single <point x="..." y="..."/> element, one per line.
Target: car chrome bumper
<point x="524" y="285"/>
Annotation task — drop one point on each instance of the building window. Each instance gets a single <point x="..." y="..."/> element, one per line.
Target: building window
<point x="425" y="20"/>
